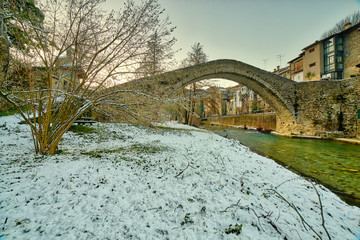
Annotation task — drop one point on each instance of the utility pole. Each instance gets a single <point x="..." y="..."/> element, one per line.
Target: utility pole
<point x="265" y="62"/>
<point x="280" y="57"/>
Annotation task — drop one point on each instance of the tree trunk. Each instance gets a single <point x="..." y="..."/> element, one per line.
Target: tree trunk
<point x="4" y="59"/>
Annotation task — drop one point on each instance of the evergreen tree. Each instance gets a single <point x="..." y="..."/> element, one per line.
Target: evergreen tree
<point x="14" y="13"/>
<point x="195" y="56"/>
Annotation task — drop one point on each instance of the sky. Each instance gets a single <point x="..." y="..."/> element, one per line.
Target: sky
<point x="262" y="33"/>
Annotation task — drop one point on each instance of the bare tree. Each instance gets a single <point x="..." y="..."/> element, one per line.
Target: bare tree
<point x="71" y="57"/>
<point x="353" y="18"/>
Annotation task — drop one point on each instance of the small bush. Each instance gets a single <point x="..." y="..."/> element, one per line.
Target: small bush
<point x="234" y="229"/>
<point x="187" y="220"/>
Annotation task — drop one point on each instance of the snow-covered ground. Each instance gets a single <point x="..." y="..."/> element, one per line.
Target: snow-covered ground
<point x="127" y="182"/>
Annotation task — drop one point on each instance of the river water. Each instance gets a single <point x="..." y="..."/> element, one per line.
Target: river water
<point x="333" y="164"/>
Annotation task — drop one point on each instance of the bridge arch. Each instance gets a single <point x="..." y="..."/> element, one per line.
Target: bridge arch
<point x="303" y="108"/>
<point x="279" y="92"/>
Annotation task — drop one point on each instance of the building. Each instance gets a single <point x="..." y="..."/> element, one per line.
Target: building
<point x="215" y="103"/>
<point x="67" y="74"/>
<point x="296" y="68"/>
<point x="243" y="100"/>
<point x="334" y="57"/>
<point x="64" y="75"/>
<point x="284" y="72"/>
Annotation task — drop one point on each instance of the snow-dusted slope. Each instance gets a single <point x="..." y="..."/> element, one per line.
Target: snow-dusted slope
<point x="125" y="182"/>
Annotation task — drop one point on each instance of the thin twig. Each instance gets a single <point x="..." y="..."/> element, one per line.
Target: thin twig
<point x="258" y="218"/>
<point x="3" y="228"/>
<point x="322" y="212"/>
<point x="288" y="180"/>
<point x="296" y="210"/>
<point x="232" y="205"/>
<point x="274" y="226"/>
<point x="183" y="170"/>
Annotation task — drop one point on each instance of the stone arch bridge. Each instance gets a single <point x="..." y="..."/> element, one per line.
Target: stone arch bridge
<point x="308" y="108"/>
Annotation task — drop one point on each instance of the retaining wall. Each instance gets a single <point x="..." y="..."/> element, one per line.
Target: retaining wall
<point x="266" y="121"/>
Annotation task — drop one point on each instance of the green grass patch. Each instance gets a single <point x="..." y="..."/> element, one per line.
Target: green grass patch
<point x="8" y="112"/>
<point x="81" y="129"/>
<point x="147" y="148"/>
<point x="138" y="149"/>
<point x="98" y="153"/>
<point x="61" y="152"/>
<point x="179" y="129"/>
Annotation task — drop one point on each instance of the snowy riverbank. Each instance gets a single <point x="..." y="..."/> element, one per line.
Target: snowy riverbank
<point x="125" y="182"/>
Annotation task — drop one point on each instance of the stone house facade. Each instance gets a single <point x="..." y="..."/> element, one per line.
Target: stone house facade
<point x="352" y="52"/>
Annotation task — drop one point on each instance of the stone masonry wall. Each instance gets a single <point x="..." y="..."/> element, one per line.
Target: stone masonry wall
<point x="351" y="53"/>
<point x="318" y="106"/>
<point x="264" y="121"/>
<point x="328" y="106"/>
<point x="350" y="89"/>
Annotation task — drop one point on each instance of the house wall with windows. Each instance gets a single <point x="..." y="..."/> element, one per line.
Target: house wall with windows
<point x="243" y="100"/>
<point x="312" y="61"/>
<point x="298" y="77"/>
<point x="334" y="57"/>
<point x="296" y="68"/>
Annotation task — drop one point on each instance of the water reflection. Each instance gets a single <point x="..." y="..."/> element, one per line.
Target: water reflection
<point x="334" y="164"/>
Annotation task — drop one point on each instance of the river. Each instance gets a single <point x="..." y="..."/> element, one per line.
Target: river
<point x="333" y="164"/>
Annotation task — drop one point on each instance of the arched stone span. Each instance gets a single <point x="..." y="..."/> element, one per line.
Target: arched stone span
<point x="303" y="108"/>
<point x="279" y="92"/>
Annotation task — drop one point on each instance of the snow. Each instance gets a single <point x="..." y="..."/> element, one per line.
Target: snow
<point x="127" y="182"/>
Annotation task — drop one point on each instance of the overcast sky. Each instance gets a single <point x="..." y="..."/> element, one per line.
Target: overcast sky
<point x="252" y="31"/>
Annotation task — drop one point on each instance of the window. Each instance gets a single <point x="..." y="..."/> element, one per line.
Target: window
<point x="329" y="46"/>
<point x="332" y="75"/>
<point x="311" y="50"/>
<point x="333" y="56"/>
<point x="339" y="43"/>
<point x="339" y="62"/>
<point x="329" y="63"/>
<point x="312" y="64"/>
<point x="299" y="66"/>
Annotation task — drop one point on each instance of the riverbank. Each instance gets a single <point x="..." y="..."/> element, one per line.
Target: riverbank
<point x="355" y="141"/>
<point x="229" y="121"/>
<point x="127" y="182"/>
<point x="334" y="164"/>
